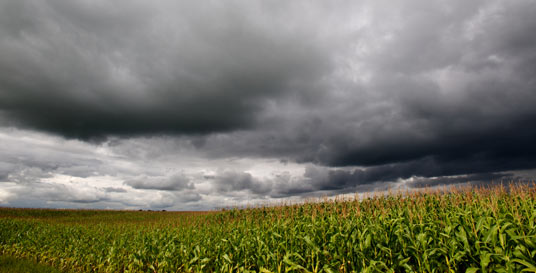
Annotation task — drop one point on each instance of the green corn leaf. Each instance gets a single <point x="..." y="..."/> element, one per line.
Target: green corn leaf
<point x="471" y="270"/>
<point x="530" y="267"/>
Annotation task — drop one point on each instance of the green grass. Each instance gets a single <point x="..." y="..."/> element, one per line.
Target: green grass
<point x="470" y="230"/>
<point x="16" y="265"/>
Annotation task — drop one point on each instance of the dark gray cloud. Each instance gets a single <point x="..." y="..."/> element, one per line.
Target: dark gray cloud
<point x="452" y="85"/>
<point x="175" y="182"/>
<point x="473" y="179"/>
<point x="336" y="181"/>
<point x="352" y="96"/>
<point x="240" y="181"/>
<point x="89" y="71"/>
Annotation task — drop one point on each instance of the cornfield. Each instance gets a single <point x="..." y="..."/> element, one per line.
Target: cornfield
<point x="466" y="230"/>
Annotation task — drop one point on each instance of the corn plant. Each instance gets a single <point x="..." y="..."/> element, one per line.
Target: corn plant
<point x="462" y="230"/>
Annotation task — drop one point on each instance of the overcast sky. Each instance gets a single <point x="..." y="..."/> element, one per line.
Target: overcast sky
<point x="191" y="105"/>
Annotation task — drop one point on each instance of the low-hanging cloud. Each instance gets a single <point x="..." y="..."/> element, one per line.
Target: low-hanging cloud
<point x="175" y="182"/>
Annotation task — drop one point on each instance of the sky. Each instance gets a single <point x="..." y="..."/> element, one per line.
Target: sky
<point x="199" y="105"/>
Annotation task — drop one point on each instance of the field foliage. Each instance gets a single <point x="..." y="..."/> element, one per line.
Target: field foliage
<point x="17" y="265"/>
<point x="467" y="230"/>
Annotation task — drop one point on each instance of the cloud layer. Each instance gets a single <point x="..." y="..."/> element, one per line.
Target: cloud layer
<point x="90" y="69"/>
<point x="198" y="104"/>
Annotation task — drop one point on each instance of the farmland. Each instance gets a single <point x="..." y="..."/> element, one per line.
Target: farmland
<point x="465" y="230"/>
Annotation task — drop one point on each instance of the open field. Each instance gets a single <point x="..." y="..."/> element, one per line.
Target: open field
<point x="469" y="230"/>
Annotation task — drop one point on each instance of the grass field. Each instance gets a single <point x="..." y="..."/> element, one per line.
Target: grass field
<point x="468" y="230"/>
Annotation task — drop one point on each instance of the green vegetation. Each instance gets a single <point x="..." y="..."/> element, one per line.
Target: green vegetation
<point x="14" y="265"/>
<point x="469" y="230"/>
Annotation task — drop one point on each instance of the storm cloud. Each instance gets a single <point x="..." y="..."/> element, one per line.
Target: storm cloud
<point x="199" y="104"/>
<point x="90" y="69"/>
